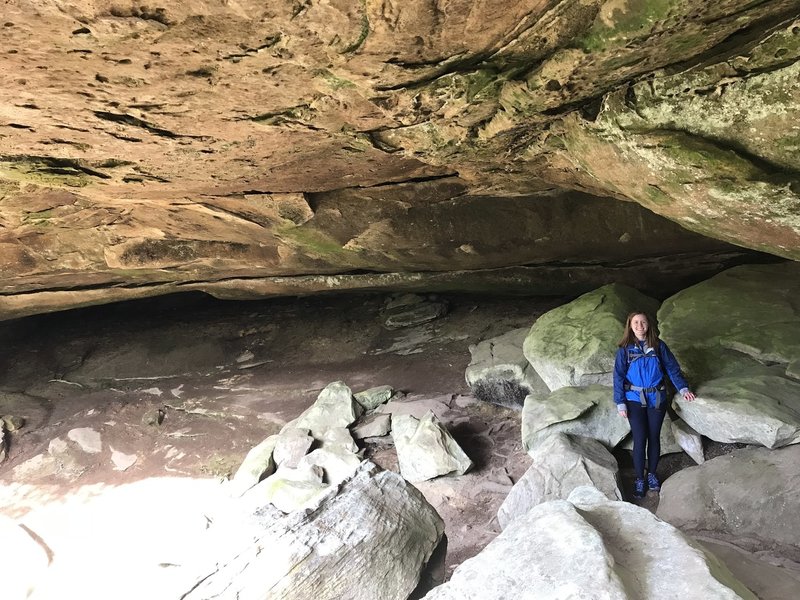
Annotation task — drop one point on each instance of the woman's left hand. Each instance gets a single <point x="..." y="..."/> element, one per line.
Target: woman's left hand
<point x="689" y="396"/>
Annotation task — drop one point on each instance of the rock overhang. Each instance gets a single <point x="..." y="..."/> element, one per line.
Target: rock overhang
<point x="151" y="149"/>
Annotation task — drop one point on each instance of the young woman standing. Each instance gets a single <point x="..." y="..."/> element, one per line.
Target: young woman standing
<point x="641" y="395"/>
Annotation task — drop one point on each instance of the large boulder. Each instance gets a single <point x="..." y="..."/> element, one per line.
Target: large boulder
<point x="575" y="344"/>
<point x="769" y="580"/>
<point x="748" y="497"/>
<point x="590" y="548"/>
<point x="759" y="409"/>
<point x="584" y="411"/>
<point x="368" y="539"/>
<point x="736" y="321"/>
<point x="560" y="464"/>
<point x="499" y="372"/>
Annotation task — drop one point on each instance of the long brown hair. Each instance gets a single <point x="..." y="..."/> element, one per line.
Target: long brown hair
<point x="628" y="337"/>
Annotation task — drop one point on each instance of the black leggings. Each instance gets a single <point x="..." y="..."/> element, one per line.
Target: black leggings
<point x="646" y="430"/>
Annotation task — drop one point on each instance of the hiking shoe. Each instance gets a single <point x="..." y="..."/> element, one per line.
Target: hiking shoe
<point x="652" y="482"/>
<point x="638" y="488"/>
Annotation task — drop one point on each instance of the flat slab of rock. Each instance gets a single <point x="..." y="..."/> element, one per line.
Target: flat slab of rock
<point x="374" y="425"/>
<point x="561" y="463"/>
<point x="747" y="315"/>
<point x="373" y="397"/>
<point x="575" y="344"/>
<point x="748" y="497"/>
<point x="590" y="548"/>
<point x="753" y="409"/>
<point x="368" y="540"/>
<point x="417" y="406"/>
<point x="122" y="461"/>
<point x="584" y="411"/>
<point x="425" y="449"/>
<point x="500" y="374"/>
<point x="410" y="310"/>
<point x="88" y="439"/>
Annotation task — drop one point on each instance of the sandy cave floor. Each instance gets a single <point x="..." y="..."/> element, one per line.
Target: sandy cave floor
<point x="222" y="376"/>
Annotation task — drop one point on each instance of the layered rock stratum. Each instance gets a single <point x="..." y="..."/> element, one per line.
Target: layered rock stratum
<point x="250" y="149"/>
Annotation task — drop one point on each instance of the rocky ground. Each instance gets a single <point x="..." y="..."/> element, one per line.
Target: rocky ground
<point x="184" y="386"/>
<point x="132" y="410"/>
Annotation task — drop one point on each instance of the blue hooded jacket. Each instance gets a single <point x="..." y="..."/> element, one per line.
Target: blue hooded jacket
<point x="642" y="366"/>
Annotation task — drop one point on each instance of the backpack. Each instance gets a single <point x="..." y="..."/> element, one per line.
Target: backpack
<point x="645" y="375"/>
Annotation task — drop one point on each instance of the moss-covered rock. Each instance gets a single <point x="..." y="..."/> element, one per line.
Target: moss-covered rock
<point x="744" y="319"/>
<point x="582" y="411"/>
<point x="575" y="344"/>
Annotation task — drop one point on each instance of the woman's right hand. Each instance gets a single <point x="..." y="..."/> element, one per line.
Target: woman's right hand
<point x="623" y="412"/>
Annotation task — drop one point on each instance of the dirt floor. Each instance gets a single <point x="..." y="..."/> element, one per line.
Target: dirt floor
<point x="186" y="385"/>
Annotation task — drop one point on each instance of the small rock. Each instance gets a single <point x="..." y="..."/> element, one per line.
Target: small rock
<point x="56" y="446"/>
<point x="372" y="398"/>
<point x="334" y="407"/>
<point x="87" y="438"/>
<point x="12" y="422"/>
<point x="153" y="417"/>
<point x="291" y="446"/>
<point x="122" y="462"/>
<point x="245" y="356"/>
<point x="41" y="465"/>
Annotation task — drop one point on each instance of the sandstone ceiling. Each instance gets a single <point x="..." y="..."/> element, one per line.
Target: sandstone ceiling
<point x="253" y="148"/>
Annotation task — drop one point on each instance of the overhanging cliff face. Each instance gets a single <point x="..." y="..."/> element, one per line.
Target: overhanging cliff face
<point x="246" y="149"/>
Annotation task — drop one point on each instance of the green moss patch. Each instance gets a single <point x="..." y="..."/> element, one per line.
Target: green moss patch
<point x="45" y="171"/>
<point x="631" y="19"/>
<point x="334" y="82"/>
<point x="313" y="241"/>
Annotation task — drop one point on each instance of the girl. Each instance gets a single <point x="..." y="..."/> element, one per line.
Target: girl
<point x="641" y="395"/>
